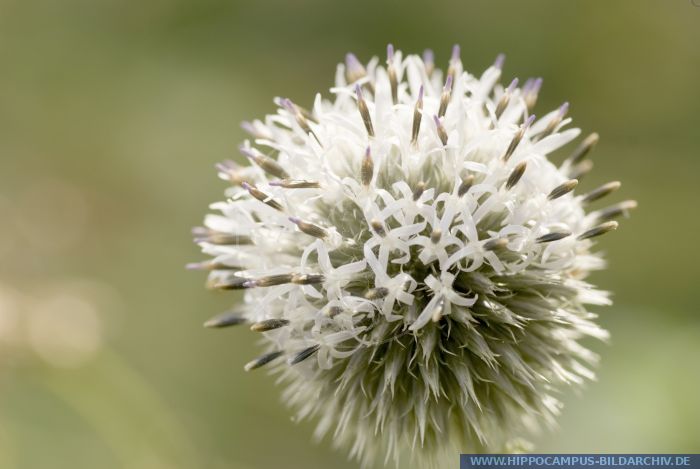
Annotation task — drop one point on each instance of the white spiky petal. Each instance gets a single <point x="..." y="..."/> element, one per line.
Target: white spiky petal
<point x="407" y="289"/>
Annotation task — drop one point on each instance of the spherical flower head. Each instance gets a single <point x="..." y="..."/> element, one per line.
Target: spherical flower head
<point x="413" y="259"/>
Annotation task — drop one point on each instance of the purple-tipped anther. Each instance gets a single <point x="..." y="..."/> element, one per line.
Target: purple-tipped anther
<point x="358" y="92"/>
<point x="247" y="152"/>
<point x="295" y="220"/>
<point x="389" y="52"/>
<point x="512" y="86"/>
<point x="288" y="105"/>
<point x="246" y="186"/>
<point x="442" y="134"/>
<point x="563" y="109"/>
<point x="536" y="85"/>
<point x="455" y="53"/>
<point x="353" y="64"/>
<point x="420" y="93"/>
<point x="500" y="60"/>
<point x="248" y="127"/>
<point x="529" y="121"/>
<point x="448" y="83"/>
<point x="200" y="231"/>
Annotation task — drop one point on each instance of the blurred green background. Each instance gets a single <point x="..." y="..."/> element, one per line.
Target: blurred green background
<point x="112" y="115"/>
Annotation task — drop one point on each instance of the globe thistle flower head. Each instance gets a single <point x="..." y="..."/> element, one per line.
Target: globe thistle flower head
<point x="412" y="258"/>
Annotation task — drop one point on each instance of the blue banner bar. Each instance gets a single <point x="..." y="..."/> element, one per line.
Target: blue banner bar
<point x="578" y="461"/>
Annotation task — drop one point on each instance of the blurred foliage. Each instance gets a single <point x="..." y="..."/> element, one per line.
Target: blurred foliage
<point x="112" y="115"/>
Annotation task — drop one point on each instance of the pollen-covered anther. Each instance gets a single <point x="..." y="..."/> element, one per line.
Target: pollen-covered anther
<point x="554" y="236"/>
<point x="299" y="117"/>
<point x="205" y="235"/>
<point x="500" y="60"/>
<point x="226" y="319"/>
<point x="505" y="98"/>
<point x="518" y="137"/>
<point x="599" y="230"/>
<point x="364" y="111"/>
<point x="376" y="293"/>
<point x="378" y="227"/>
<point x="465" y="185"/>
<point x="304" y="354"/>
<point x="232" y="283"/>
<point x="580" y="170"/>
<point x="268" y="325"/>
<point x="563" y="189"/>
<point x="266" y="163"/>
<point x="251" y="130"/>
<point x="307" y="279"/>
<point x="495" y="244"/>
<point x="262" y="197"/>
<point x="269" y="281"/>
<point x="222" y="239"/>
<point x="439" y="310"/>
<point x="417" y="116"/>
<point x="418" y="191"/>
<point x="616" y="210"/>
<point x="531" y="92"/>
<point x="454" y="61"/>
<point x="295" y="184"/>
<point x="442" y="133"/>
<point x="354" y="70"/>
<point x="555" y="121"/>
<point x="333" y="311"/>
<point x="516" y="174"/>
<point x="601" y="192"/>
<point x="367" y="168"/>
<point x="262" y="360"/>
<point x="446" y="95"/>
<point x="309" y="228"/>
<point x="429" y="62"/>
<point x="231" y="172"/>
<point x="583" y="149"/>
<point x="211" y="265"/>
